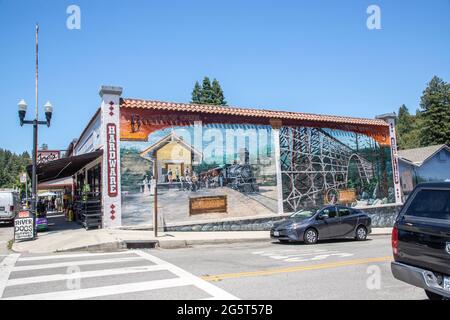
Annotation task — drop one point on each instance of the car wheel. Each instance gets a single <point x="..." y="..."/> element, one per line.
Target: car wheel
<point x="310" y="236"/>
<point x="361" y="233"/>
<point x="433" y="296"/>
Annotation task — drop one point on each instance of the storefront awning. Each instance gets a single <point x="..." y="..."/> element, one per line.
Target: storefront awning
<point x="57" y="184"/>
<point x="64" y="167"/>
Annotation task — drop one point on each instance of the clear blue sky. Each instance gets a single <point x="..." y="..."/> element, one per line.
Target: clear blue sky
<point x="310" y="56"/>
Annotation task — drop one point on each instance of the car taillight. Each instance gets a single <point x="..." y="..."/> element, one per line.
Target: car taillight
<point x="394" y="241"/>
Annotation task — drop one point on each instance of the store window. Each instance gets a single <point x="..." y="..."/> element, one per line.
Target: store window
<point x="80" y="184"/>
<point x="94" y="180"/>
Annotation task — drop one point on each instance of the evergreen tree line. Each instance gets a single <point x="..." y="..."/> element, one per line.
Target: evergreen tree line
<point x="11" y="166"/>
<point x="430" y="125"/>
<point x="208" y="93"/>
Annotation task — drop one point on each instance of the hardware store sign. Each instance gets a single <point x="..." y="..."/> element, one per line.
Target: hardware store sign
<point x="112" y="159"/>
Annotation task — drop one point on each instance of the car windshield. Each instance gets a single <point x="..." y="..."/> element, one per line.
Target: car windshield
<point x="305" y="213"/>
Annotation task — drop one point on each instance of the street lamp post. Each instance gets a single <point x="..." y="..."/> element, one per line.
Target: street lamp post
<point x="48" y="116"/>
<point x="155" y="197"/>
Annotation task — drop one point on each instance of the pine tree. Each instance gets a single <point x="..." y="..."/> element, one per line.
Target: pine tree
<point x="206" y="96"/>
<point x="11" y="166"/>
<point x="196" y="93"/>
<point x="217" y="94"/>
<point x="406" y="129"/>
<point x="208" y="93"/>
<point x="435" y="104"/>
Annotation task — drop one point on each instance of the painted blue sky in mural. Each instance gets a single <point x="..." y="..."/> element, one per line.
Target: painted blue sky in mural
<point x="221" y="144"/>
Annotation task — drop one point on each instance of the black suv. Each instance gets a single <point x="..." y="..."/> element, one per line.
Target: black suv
<point x="421" y="240"/>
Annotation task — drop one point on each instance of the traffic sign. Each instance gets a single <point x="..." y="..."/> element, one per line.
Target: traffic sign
<point x="23" y="178"/>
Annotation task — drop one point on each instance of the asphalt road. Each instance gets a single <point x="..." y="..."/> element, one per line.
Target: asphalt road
<point x="262" y="270"/>
<point x="6" y="234"/>
<point x="329" y="270"/>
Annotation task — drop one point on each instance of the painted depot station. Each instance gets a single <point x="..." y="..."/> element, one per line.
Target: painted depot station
<point x="217" y="162"/>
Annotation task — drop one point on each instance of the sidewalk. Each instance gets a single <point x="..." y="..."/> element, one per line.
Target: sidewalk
<point x="115" y="239"/>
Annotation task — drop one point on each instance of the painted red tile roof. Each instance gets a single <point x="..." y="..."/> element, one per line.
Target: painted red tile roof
<point x="246" y="112"/>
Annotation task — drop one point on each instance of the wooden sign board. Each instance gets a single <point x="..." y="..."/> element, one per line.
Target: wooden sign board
<point x="347" y="196"/>
<point x="44" y="156"/>
<point x="213" y="204"/>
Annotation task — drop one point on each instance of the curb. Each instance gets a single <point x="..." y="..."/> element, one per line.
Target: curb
<point x="176" y="244"/>
<point x="101" y="247"/>
<point x="166" y="244"/>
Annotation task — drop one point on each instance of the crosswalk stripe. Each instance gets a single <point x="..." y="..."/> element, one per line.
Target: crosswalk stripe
<point x="71" y="256"/>
<point x="105" y="291"/>
<point x="5" y="269"/>
<point x="215" y="292"/>
<point x="73" y="263"/>
<point x="82" y="275"/>
<point x="183" y="278"/>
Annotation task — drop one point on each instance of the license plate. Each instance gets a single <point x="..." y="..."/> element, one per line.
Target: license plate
<point x="447" y="283"/>
<point x="276" y="233"/>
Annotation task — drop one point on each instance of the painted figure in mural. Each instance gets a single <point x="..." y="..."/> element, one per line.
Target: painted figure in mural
<point x="194" y="182"/>
<point x="145" y="184"/>
<point x="182" y="183"/>
<point x="221" y="179"/>
<point x="206" y="179"/>
<point x="188" y="182"/>
<point x="152" y="185"/>
<point x="135" y="123"/>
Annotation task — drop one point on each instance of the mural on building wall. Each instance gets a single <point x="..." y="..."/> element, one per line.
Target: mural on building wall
<point x="202" y="171"/>
<point x="321" y="166"/>
<point x="205" y="168"/>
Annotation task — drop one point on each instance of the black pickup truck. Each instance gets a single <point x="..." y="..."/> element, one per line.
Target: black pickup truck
<point x="421" y="240"/>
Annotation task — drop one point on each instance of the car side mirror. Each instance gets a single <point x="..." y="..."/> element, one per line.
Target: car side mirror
<point x="322" y="216"/>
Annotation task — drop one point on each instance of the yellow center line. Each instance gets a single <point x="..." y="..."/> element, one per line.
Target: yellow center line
<point x="267" y="272"/>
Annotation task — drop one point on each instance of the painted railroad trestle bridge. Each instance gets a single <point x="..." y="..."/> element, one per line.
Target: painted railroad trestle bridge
<point x="315" y="164"/>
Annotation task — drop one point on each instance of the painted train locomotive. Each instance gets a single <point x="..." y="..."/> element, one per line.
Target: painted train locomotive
<point x="240" y="177"/>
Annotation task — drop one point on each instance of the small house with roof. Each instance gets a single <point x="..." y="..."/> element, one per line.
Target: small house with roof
<point x="172" y="154"/>
<point x="426" y="164"/>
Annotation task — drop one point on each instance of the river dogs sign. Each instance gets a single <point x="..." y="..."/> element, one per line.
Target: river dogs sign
<point x="112" y="159"/>
<point x="24" y="223"/>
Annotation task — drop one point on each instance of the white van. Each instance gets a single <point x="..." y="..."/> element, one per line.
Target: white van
<point x="9" y="205"/>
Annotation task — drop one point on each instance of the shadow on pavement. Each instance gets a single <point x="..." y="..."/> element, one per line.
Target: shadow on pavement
<point x="58" y="222"/>
<point x="6" y="225"/>
<point x="318" y="243"/>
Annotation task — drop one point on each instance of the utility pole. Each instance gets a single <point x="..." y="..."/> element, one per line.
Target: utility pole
<point x="155" y="197"/>
<point x="35" y="129"/>
<point x="48" y="115"/>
